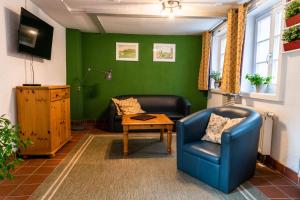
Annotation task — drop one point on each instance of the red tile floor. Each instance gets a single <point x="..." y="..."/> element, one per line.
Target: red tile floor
<point x="33" y="171"/>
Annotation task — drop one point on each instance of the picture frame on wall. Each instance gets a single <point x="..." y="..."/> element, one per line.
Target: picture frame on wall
<point x="164" y="52"/>
<point x="126" y="51"/>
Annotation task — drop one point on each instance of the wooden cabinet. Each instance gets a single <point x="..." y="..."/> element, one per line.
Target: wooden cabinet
<point x="44" y="117"/>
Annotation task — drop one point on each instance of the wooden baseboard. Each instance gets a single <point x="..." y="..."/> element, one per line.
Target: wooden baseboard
<point x="84" y="122"/>
<point x="285" y="171"/>
<point x="90" y="123"/>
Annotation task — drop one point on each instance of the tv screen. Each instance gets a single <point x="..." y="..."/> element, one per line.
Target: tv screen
<point x="35" y="35"/>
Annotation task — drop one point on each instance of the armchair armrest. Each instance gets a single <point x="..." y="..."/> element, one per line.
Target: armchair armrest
<point x="190" y="129"/>
<point x="239" y="145"/>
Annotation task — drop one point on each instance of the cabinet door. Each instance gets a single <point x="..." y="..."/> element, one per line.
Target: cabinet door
<point x="68" y="118"/>
<point x="65" y="126"/>
<point x="33" y="119"/>
<point x="56" y="123"/>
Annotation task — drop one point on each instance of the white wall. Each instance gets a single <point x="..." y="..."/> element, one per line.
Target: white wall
<point x="15" y="67"/>
<point x="286" y="134"/>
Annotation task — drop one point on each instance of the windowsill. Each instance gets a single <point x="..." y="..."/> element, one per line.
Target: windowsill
<point x="252" y="95"/>
<point x="263" y="96"/>
<point x="216" y="91"/>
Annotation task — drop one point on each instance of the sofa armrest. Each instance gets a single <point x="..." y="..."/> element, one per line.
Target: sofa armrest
<point x="239" y="146"/>
<point x="184" y="106"/>
<point x="190" y="129"/>
<point x="111" y="116"/>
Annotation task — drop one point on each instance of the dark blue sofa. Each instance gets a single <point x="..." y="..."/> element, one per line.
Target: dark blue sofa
<point x="223" y="166"/>
<point x="175" y="107"/>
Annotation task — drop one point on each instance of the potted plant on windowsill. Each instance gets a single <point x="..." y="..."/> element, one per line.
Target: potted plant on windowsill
<point x="216" y="76"/>
<point x="10" y="143"/>
<point x="292" y="13"/>
<point x="291" y="37"/>
<point x="259" y="82"/>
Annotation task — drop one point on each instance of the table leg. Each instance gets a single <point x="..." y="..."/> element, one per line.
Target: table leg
<point x="162" y="134"/>
<point x="169" y="139"/>
<point x="125" y="140"/>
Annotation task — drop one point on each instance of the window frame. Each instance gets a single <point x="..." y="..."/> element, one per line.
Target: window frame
<point x="276" y="94"/>
<point x="218" y="35"/>
<point x="222" y="37"/>
<point x="271" y="12"/>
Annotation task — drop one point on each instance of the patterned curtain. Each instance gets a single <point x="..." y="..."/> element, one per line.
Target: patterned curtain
<point x="204" y="65"/>
<point x="231" y="76"/>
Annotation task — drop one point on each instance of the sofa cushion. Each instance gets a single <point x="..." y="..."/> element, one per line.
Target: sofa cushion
<point x="174" y="116"/>
<point x="205" y="150"/>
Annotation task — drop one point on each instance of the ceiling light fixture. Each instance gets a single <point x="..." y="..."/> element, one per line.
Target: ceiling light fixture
<point x="170" y="7"/>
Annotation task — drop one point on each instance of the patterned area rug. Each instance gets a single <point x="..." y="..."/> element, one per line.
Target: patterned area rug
<point x="96" y="170"/>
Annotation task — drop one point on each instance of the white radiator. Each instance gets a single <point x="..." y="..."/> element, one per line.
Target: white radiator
<point x="265" y="139"/>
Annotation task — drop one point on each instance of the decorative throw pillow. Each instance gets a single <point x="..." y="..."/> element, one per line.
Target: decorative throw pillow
<point x="116" y="102"/>
<point x="232" y="122"/>
<point x="217" y="124"/>
<point x="215" y="128"/>
<point x="129" y="106"/>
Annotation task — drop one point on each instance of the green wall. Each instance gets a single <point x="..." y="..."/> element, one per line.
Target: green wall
<point x="142" y="77"/>
<point x="74" y="71"/>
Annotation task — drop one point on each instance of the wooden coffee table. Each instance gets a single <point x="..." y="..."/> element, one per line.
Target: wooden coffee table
<point x="161" y="122"/>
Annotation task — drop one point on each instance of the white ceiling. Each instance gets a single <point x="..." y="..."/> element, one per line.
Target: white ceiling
<point x="136" y="16"/>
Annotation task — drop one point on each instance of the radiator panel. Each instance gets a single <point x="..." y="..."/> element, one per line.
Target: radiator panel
<point x="266" y="131"/>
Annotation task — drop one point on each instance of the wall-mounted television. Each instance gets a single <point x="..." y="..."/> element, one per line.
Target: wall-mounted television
<point x="35" y="36"/>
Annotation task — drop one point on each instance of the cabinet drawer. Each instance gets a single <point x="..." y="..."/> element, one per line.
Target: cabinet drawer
<point x="59" y="94"/>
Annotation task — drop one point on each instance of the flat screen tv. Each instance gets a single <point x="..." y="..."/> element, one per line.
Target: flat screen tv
<point x="35" y="35"/>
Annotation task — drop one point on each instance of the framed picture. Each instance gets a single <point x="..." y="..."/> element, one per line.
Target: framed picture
<point x="164" y="52"/>
<point x="127" y="51"/>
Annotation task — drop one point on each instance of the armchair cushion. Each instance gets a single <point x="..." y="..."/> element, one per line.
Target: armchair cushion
<point x="206" y="150"/>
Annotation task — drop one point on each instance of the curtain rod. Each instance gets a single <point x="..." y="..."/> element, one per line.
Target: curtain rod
<point x="252" y="5"/>
<point x="218" y="25"/>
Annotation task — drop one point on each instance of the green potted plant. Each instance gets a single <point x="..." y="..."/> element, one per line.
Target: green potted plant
<point x="259" y="81"/>
<point x="216" y="76"/>
<point x="292" y="13"/>
<point x="291" y="37"/>
<point x="10" y="143"/>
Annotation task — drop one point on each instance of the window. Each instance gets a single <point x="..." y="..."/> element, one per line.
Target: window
<point x="268" y="29"/>
<point x="218" y="50"/>
<point x="222" y="52"/>
<point x="262" y="48"/>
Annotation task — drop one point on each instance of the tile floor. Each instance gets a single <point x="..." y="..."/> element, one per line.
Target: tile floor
<point x="274" y="185"/>
<point x="32" y="172"/>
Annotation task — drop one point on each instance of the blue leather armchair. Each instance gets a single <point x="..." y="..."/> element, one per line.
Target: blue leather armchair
<point x="223" y="166"/>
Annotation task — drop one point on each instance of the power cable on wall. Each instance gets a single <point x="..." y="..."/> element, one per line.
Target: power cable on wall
<point x="25" y="60"/>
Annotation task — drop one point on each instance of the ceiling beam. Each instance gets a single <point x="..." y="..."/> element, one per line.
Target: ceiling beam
<point x="156" y="16"/>
<point x="97" y="22"/>
<point x="206" y="9"/>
